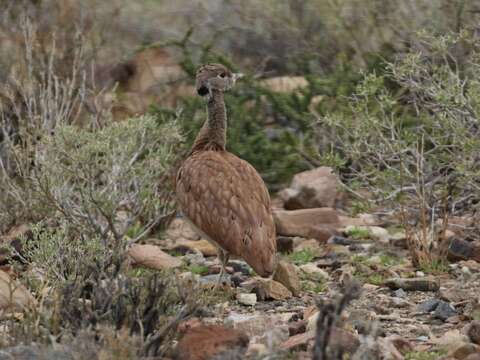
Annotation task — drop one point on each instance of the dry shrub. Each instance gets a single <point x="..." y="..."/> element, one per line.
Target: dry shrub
<point x="412" y="138"/>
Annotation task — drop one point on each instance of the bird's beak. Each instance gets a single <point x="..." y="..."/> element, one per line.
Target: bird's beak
<point x="237" y="76"/>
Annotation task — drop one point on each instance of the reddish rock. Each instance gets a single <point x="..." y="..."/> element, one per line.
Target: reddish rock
<point x="152" y="257"/>
<point x="318" y="223"/>
<point x="311" y="189"/>
<point x="286" y="274"/>
<point x="206" y="341"/>
<point x="339" y="338"/>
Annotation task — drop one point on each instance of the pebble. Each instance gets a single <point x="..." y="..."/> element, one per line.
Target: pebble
<point x="400" y="293"/>
<point x="247" y="299"/>
<point x="444" y="310"/>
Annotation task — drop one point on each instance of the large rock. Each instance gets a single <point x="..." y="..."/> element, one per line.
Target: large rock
<point x="311" y="189"/>
<point x="318" y="223"/>
<point x="286" y="274"/>
<point x="207" y="341"/>
<point x="13" y="295"/>
<point x="153" y="257"/>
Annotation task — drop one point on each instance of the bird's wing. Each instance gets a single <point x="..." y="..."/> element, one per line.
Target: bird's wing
<point x="227" y="200"/>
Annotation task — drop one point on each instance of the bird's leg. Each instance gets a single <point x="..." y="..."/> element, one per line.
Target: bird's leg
<point x="223" y="256"/>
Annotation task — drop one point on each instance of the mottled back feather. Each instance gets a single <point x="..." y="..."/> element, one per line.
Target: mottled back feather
<point x="227" y="200"/>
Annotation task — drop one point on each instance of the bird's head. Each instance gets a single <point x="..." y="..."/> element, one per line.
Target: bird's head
<point x="215" y="77"/>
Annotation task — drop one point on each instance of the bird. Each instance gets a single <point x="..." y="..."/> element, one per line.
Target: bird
<point x="222" y="196"/>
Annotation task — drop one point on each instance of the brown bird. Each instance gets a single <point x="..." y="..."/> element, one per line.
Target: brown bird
<point x="221" y="195"/>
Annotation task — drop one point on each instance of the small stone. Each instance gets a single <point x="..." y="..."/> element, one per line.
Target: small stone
<point x="311" y="268"/>
<point x="428" y="306"/>
<point x="400" y="293"/>
<point x="444" y="310"/>
<point x="247" y="299"/>
<point x="419" y="274"/>
<point x="312" y="321"/>
<point x="271" y="289"/>
<point x="473" y="332"/>
<point x="298" y="342"/>
<point x="399" y="302"/>
<point x="286" y="274"/>
<point x="413" y="284"/>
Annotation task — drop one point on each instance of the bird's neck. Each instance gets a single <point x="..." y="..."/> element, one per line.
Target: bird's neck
<point x="213" y="135"/>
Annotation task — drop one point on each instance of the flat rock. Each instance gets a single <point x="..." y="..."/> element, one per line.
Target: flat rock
<point x="317" y="223"/>
<point x="206" y="341"/>
<point x="152" y="257"/>
<point x="286" y="274"/>
<point x="311" y="189"/>
<point x="247" y="299"/>
<point x="312" y="268"/>
<point x="413" y="284"/>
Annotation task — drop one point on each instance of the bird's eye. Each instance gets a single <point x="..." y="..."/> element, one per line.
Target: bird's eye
<point x="222" y="75"/>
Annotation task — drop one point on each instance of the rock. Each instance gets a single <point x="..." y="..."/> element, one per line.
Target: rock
<point x="297" y="327"/>
<point x="462" y="350"/>
<point x="180" y="229"/>
<point x="463" y="250"/>
<point x="450" y="338"/>
<point x="286" y="274"/>
<point x="401" y="344"/>
<point x="153" y="257"/>
<point x="298" y="342"/>
<point x="428" y="306"/>
<point x="475" y="356"/>
<point x="311" y="189"/>
<point x="399" y="239"/>
<point x="473" y="332"/>
<point x="212" y="280"/>
<point x="444" y="310"/>
<point x="400" y="293"/>
<point x="247" y="299"/>
<point x="206" y="341"/>
<point x="204" y="246"/>
<point x="317" y="223"/>
<point x="256" y="324"/>
<point x="273" y="337"/>
<point x="380" y="234"/>
<point x="413" y="284"/>
<point x="473" y="265"/>
<point x="284" y="244"/>
<point x="13" y="295"/>
<point x="285" y="84"/>
<point x="271" y="289"/>
<point x="256" y="350"/>
<point x="311" y="268"/>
